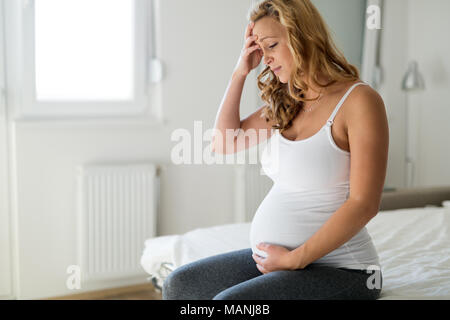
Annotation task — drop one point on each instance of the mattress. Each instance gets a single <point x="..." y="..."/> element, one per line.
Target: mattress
<point x="413" y="245"/>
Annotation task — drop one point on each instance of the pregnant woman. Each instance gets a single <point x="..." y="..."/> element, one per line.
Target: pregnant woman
<point x="327" y="148"/>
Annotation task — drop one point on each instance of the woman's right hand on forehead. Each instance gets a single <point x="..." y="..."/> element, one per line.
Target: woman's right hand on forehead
<point x="251" y="53"/>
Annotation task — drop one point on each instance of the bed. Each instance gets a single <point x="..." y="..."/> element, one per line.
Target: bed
<point x="411" y="233"/>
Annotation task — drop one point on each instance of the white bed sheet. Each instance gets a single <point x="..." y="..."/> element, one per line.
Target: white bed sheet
<point x="414" y="250"/>
<point x="413" y="246"/>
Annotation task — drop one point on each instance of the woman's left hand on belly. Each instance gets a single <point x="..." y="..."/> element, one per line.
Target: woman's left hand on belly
<point x="278" y="258"/>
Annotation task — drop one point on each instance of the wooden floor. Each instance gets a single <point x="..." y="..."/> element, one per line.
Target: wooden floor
<point x="137" y="292"/>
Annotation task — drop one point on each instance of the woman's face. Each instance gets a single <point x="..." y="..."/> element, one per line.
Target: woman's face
<point x="273" y="41"/>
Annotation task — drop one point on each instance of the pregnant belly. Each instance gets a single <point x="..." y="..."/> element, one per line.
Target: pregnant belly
<point x="289" y="219"/>
<point x="286" y="228"/>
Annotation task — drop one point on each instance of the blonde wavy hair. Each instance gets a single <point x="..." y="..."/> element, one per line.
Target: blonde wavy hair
<point x="313" y="51"/>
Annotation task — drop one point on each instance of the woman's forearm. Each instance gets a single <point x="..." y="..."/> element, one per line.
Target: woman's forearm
<point x="345" y="223"/>
<point x="228" y="116"/>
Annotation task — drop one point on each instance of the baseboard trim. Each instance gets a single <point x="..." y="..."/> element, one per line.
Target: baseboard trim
<point x="91" y="295"/>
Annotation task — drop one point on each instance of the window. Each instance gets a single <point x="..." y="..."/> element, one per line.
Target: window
<point x="86" y="57"/>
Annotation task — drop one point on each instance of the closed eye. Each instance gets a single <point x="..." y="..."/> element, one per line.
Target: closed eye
<point x="273" y="46"/>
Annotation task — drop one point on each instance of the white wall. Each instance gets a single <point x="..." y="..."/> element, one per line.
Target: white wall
<point x="5" y="239"/>
<point x="428" y="44"/>
<point x="416" y="30"/>
<point x="393" y="47"/>
<point x="199" y="43"/>
<point x="346" y="20"/>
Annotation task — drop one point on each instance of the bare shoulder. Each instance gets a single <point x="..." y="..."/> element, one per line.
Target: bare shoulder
<point x="364" y="104"/>
<point x="368" y="137"/>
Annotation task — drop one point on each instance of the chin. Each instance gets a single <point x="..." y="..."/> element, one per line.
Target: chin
<point x="282" y="80"/>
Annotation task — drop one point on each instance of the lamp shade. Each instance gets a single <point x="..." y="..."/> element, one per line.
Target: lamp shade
<point x="413" y="80"/>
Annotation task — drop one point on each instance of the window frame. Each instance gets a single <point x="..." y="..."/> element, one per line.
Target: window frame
<point x="31" y="108"/>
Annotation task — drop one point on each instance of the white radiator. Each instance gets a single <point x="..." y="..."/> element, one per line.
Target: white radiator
<point x="117" y="213"/>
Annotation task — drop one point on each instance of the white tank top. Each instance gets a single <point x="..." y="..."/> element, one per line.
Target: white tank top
<point x="311" y="181"/>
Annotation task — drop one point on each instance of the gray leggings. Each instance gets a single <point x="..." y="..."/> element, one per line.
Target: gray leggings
<point x="234" y="276"/>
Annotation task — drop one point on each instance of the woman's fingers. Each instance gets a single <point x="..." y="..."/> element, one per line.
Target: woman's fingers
<point x="249" y="41"/>
<point x="258" y="259"/>
<point x="261" y="269"/>
<point x="248" y="30"/>
<point x="251" y="49"/>
<point x="247" y="60"/>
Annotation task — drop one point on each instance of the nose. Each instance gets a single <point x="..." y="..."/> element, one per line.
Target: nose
<point x="267" y="60"/>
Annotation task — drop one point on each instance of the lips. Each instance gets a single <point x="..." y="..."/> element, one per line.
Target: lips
<point x="276" y="69"/>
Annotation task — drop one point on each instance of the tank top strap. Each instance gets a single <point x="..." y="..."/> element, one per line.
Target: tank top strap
<point x="331" y="118"/>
